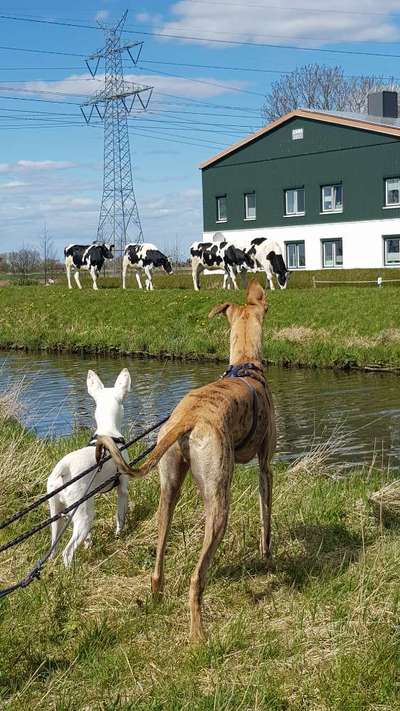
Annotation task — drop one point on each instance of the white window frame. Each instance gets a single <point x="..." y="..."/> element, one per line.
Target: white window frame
<point x="217" y="199"/>
<point x="334" y="240"/>
<point x="334" y="207"/>
<point x="386" y="239"/>
<point x="296" y="243"/>
<point x="246" y="206"/>
<point x="391" y="204"/>
<point x="296" y="213"/>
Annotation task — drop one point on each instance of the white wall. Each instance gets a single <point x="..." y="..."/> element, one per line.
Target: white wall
<point x="362" y="240"/>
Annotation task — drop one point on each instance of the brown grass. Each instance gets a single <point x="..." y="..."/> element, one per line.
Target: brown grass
<point x="299" y="334"/>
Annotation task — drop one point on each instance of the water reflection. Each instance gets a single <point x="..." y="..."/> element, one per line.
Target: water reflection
<point x="363" y="409"/>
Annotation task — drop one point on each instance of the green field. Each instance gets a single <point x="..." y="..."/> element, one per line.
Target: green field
<point x="318" y="633"/>
<point x="328" y="327"/>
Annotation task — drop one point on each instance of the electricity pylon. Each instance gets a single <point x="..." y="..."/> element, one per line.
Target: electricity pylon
<point x="112" y="105"/>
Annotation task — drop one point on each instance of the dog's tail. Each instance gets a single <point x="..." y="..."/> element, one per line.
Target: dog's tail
<point x="154" y="457"/>
<point x="104" y="442"/>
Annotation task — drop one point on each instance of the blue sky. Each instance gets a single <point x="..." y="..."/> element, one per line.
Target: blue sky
<point x="51" y="162"/>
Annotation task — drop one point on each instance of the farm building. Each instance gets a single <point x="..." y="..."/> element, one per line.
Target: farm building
<point x="325" y="185"/>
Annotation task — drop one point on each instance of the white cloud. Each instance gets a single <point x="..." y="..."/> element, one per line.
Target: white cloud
<point x="12" y="185"/>
<point x="69" y="202"/>
<point x="84" y="86"/>
<point x="283" y="22"/>
<point x="27" y="166"/>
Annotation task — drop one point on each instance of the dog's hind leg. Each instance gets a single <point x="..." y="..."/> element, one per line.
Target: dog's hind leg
<point x="82" y="523"/>
<point x="214" y="486"/>
<point x="173" y="469"/>
<point x="265" y="497"/>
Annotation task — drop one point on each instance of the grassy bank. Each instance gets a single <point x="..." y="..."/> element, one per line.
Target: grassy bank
<point x="319" y="633"/>
<point x="341" y="327"/>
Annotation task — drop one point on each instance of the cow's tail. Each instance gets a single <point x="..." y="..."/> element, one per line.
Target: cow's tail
<point x="152" y="460"/>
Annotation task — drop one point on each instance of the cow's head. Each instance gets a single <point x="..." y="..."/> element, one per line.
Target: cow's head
<point x="107" y="251"/>
<point x="248" y="259"/>
<point x="279" y="268"/>
<point x="167" y="265"/>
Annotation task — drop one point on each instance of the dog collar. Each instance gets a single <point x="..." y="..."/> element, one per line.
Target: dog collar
<point x="93" y="440"/>
<point x="242" y="370"/>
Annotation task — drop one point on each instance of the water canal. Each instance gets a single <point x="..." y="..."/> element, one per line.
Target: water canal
<point x="359" y="412"/>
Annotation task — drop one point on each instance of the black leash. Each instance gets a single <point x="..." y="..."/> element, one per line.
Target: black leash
<point x="34" y="573"/>
<point x="46" y="497"/>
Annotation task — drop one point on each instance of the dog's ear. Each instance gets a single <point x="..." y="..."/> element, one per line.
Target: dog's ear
<point x="219" y="309"/>
<point x="123" y="384"/>
<point x="255" y="295"/>
<point x="94" y="384"/>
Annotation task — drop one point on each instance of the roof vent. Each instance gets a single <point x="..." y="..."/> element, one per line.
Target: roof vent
<point x="383" y="104"/>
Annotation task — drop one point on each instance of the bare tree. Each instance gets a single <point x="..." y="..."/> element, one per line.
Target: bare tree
<point x="322" y="88"/>
<point x="48" y="253"/>
<point x="24" y="262"/>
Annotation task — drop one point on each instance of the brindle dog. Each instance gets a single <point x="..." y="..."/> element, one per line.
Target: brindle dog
<point x="213" y="427"/>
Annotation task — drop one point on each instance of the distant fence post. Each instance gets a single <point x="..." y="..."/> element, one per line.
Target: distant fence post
<point x="379" y="281"/>
<point x="314" y="282"/>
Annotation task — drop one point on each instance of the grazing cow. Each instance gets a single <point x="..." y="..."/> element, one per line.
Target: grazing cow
<point x="90" y="257"/>
<point x="266" y="255"/>
<point x="216" y="256"/>
<point x="145" y="257"/>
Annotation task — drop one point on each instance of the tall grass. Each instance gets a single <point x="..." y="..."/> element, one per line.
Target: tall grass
<point x="319" y="632"/>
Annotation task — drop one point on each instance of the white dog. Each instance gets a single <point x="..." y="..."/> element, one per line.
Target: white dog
<point x="108" y="414"/>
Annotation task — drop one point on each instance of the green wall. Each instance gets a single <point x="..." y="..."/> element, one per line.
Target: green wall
<point x="327" y="154"/>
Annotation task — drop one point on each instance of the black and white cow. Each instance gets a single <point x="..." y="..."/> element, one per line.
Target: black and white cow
<point x="145" y="257"/>
<point x="88" y="256"/>
<point x="261" y="255"/>
<point x="218" y="256"/>
<point x="266" y="255"/>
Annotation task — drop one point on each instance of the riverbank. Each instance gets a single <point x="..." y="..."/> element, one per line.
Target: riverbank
<point x="320" y="632"/>
<point x="339" y="327"/>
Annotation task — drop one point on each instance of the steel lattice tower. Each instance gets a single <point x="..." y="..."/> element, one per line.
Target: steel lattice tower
<point x="113" y="104"/>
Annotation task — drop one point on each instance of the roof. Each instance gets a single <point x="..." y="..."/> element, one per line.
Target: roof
<point x="364" y="122"/>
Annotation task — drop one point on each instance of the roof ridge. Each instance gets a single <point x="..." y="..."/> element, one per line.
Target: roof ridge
<point x="321" y="115"/>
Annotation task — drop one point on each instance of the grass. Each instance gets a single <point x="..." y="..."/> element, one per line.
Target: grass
<point x="319" y="633"/>
<point x="337" y="327"/>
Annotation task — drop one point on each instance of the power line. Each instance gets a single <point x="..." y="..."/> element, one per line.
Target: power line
<point x="216" y="66"/>
<point x="203" y="81"/>
<point x="41" y="51"/>
<point x="201" y="39"/>
<point x="313" y="10"/>
<point x="210" y="40"/>
<point x="195" y="38"/>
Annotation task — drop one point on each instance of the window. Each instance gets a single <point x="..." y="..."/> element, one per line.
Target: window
<point x="249" y="206"/>
<point x="222" y="212"/>
<point x="294" y="202"/>
<point x="392" y="250"/>
<point x="332" y="198"/>
<point x="297" y="134"/>
<point x="295" y="255"/>
<point x="392" y="191"/>
<point x="332" y="253"/>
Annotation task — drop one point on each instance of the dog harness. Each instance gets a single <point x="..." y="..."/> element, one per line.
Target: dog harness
<point x="93" y="440"/>
<point x="242" y="371"/>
